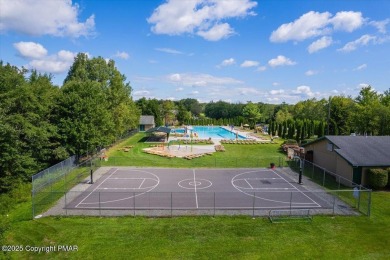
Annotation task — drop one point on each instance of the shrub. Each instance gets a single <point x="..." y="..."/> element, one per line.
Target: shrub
<point x="290" y="142"/>
<point x="377" y="178"/>
<point x="388" y="177"/>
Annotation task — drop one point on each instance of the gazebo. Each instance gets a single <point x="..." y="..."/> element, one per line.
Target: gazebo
<point x="159" y="129"/>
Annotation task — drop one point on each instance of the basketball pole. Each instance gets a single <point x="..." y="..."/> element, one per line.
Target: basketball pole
<point x="300" y="171"/>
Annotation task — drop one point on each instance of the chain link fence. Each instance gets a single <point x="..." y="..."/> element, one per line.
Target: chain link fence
<point x="207" y="161"/>
<point x="335" y="183"/>
<point x="210" y="203"/>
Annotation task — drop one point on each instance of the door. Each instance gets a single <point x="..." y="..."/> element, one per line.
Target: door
<point x="357" y="175"/>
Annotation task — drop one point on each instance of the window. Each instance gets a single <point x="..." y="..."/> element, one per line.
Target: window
<point x="329" y="147"/>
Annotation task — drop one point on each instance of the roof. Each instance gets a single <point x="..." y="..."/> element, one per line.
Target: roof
<point x="368" y="151"/>
<point x="146" y="120"/>
<point x="159" y="129"/>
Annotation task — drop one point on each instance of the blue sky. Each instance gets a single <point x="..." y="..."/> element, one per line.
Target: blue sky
<point x="232" y="50"/>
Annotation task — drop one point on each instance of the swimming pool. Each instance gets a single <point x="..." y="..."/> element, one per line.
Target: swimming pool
<point x="217" y="132"/>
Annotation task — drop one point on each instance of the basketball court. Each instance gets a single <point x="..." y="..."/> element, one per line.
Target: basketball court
<point x="196" y="189"/>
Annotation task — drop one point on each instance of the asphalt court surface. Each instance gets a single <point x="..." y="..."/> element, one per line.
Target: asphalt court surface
<point x="150" y="188"/>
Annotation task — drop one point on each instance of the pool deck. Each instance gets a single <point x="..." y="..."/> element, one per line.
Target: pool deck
<point x="217" y="141"/>
<point x="186" y="151"/>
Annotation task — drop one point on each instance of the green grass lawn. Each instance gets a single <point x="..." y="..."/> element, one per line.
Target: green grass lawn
<point x="260" y="155"/>
<point x="326" y="237"/>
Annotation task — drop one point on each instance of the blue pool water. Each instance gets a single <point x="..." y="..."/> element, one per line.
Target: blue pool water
<point x="205" y="132"/>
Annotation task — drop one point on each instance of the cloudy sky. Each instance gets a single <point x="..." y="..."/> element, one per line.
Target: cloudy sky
<point x="232" y="50"/>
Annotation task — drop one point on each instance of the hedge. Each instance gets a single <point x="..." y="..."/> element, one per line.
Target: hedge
<point x="388" y="177"/>
<point x="378" y="178"/>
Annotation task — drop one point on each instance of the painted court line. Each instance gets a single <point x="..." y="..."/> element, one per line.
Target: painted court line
<point x="298" y="190"/>
<point x="131" y="178"/>
<point x="249" y="183"/>
<point x="141" y="183"/>
<point x="96" y="187"/>
<point x="121" y="188"/>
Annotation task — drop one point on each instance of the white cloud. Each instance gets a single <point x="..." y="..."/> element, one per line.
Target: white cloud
<point x="50" y="65"/>
<point x="175" y="77"/>
<point x="313" y="24"/>
<point x="122" y="55"/>
<point x="364" y="40"/>
<point x="347" y="21"/>
<point x="281" y="61"/>
<point x="362" y="85"/>
<point x="308" y="25"/>
<point x="303" y="90"/>
<point x="200" y="17"/>
<point x="179" y="89"/>
<point x="380" y="25"/>
<point x="275" y="84"/>
<point x="44" y="17"/>
<point x="361" y="67"/>
<point x="39" y="60"/>
<point x="227" y="62"/>
<point x="141" y="93"/>
<point x="195" y="92"/>
<point x="248" y="91"/>
<point x="319" y="44"/>
<point x="311" y="72"/>
<point x="217" y="32"/>
<point x="261" y="68"/>
<point x="30" y="50"/>
<point x="168" y="50"/>
<point x="249" y="63"/>
<point x="201" y="80"/>
<point x="277" y="92"/>
<point x="273" y="99"/>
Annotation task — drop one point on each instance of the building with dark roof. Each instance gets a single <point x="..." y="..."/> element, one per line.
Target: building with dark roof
<point x="145" y="123"/>
<point x="350" y="156"/>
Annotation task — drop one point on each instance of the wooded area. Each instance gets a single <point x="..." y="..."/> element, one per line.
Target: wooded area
<point x="42" y="124"/>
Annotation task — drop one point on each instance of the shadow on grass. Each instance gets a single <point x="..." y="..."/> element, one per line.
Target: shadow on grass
<point x="143" y="139"/>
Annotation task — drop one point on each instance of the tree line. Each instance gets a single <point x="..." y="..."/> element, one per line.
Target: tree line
<point x="42" y="124"/>
<point x="367" y="114"/>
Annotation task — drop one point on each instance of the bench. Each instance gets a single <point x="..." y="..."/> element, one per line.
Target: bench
<point x="286" y="215"/>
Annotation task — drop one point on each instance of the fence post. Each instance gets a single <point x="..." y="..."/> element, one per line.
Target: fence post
<point x="360" y="190"/>
<point x="134" y="203"/>
<point x="100" y="213"/>
<point x="171" y="203"/>
<point x="312" y="171"/>
<point x="65" y="206"/>
<point x="254" y="200"/>
<point x="32" y="202"/>
<point x="323" y="180"/>
<point x="369" y="203"/>
<point x="279" y="161"/>
<point x="339" y="182"/>
<point x="334" y="202"/>
<point x="214" y="204"/>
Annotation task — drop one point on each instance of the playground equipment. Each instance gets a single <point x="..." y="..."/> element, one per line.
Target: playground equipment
<point x="174" y="141"/>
